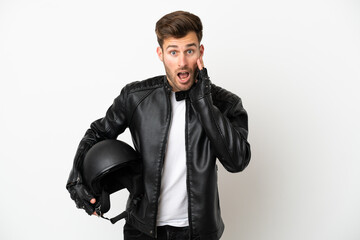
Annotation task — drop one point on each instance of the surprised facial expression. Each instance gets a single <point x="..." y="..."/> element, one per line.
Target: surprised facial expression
<point x="179" y="56"/>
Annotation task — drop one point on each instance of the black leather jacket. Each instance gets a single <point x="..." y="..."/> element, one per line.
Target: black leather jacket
<point x="216" y="128"/>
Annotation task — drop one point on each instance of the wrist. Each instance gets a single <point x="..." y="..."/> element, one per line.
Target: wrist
<point x="201" y="88"/>
<point x="203" y="74"/>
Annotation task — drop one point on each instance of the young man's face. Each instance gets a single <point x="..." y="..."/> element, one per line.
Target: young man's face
<point x="179" y="56"/>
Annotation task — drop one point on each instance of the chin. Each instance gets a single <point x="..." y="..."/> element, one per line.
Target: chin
<point x="185" y="87"/>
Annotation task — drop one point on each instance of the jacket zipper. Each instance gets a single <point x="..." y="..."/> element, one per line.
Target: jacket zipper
<point x="187" y="169"/>
<point x="162" y="159"/>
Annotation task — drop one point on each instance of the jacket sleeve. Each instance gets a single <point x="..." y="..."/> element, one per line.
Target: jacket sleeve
<point x="108" y="127"/>
<point x="226" y="125"/>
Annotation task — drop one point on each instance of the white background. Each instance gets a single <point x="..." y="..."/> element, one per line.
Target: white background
<point x="295" y="64"/>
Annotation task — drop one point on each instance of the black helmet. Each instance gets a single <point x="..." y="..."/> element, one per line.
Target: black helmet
<point x="109" y="166"/>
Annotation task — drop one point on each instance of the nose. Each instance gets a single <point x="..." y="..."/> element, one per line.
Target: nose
<point x="182" y="61"/>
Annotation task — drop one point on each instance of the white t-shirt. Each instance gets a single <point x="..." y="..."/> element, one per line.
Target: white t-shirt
<point x="173" y="200"/>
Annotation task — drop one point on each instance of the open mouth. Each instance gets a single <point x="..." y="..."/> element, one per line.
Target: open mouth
<point x="183" y="76"/>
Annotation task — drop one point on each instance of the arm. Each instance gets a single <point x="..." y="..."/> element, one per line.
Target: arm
<point x="108" y="127"/>
<point x="227" y="129"/>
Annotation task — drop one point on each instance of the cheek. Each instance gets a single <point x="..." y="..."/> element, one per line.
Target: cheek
<point x="169" y="63"/>
<point x="194" y="63"/>
<point x="194" y="59"/>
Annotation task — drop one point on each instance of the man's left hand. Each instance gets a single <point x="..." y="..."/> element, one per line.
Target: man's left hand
<point x="203" y="86"/>
<point x="200" y="63"/>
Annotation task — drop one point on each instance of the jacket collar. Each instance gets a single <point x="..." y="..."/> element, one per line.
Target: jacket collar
<point x="178" y="95"/>
<point x="167" y="85"/>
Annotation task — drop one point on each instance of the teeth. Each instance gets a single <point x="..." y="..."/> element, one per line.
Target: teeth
<point x="183" y="75"/>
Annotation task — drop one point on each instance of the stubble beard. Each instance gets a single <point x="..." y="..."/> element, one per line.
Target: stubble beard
<point x="172" y="79"/>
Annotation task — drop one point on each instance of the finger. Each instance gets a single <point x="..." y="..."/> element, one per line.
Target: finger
<point x="84" y="194"/>
<point x="89" y="208"/>
<point x="200" y="63"/>
<point x="93" y="201"/>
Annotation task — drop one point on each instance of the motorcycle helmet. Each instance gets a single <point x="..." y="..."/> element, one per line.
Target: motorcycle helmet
<point x="109" y="166"/>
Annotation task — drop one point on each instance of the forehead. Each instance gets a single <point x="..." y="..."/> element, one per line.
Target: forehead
<point x="189" y="39"/>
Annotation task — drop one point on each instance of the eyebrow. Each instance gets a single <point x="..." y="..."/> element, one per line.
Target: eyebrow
<point x="188" y="45"/>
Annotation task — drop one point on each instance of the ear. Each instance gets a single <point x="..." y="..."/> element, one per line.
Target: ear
<point x="201" y="50"/>
<point x="159" y="53"/>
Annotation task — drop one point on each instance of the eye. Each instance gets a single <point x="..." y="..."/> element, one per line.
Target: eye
<point x="190" y="51"/>
<point x="173" y="53"/>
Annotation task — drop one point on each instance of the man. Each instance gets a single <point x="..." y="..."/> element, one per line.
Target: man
<point x="180" y="124"/>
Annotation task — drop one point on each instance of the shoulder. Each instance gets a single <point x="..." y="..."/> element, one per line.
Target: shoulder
<point x="229" y="104"/>
<point x="223" y="96"/>
<point x="145" y="85"/>
<point x="135" y="92"/>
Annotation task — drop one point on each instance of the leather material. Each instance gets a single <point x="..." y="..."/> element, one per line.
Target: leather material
<point x="80" y="194"/>
<point x="201" y="88"/>
<point x="216" y="127"/>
